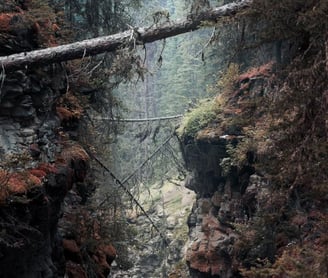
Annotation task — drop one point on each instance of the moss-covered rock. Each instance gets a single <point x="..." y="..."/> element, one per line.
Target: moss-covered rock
<point x="198" y="118"/>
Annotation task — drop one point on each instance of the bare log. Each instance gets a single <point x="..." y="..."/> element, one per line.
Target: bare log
<point x="139" y="36"/>
<point x="138" y="120"/>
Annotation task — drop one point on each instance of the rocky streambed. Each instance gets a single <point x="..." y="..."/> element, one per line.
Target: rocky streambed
<point x="169" y="206"/>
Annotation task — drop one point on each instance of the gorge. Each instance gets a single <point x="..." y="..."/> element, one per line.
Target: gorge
<point x="237" y="187"/>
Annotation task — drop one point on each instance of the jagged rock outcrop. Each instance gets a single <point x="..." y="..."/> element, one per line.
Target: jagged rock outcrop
<point x="35" y="177"/>
<point x="219" y="202"/>
<point x="226" y="194"/>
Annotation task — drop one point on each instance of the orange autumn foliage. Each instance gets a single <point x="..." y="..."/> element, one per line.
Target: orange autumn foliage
<point x="38" y="173"/>
<point x="47" y="168"/>
<point x="261" y="71"/>
<point x="69" y="107"/>
<point x="5" y="21"/>
<point x="64" y="114"/>
<point x="21" y="182"/>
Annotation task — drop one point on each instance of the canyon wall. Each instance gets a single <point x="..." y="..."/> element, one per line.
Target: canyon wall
<point x="44" y="170"/>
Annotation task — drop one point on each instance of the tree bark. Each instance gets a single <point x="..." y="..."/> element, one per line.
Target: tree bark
<point x="138" y="36"/>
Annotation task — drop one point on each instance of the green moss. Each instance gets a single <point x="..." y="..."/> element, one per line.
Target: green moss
<point x="198" y="118"/>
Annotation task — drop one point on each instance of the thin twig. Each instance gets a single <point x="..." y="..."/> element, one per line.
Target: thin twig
<point x="160" y="58"/>
<point x="145" y="55"/>
<point x="132" y="37"/>
<point x="95" y="67"/>
<point x="84" y="53"/>
<point x="3" y="77"/>
<point x="207" y="43"/>
<point x="67" y="81"/>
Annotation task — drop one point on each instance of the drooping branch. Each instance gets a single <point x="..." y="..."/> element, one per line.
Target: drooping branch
<point x="110" y="43"/>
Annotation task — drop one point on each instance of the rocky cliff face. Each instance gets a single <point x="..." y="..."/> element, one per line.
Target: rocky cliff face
<point x="43" y="168"/>
<point x="33" y="186"/>
<point x="249" y="219"/>
<point x="220" y="203"/>
<point x="226" y="193"/>
<point x="34" y="181"/>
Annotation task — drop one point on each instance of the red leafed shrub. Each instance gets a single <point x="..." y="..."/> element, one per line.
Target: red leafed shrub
<point x="263" y="71"/>
<point x="47" y="168"/>
<point x="7" y="21"/>
<point x="38" y="173"/>
<point x="69" y="107"/>
<point x="22" y="182"/>
<point x="64" y="114"/>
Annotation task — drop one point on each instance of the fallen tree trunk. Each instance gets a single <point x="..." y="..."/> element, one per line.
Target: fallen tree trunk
<point x="138" y="120"/>
<point x="139" y="36"/>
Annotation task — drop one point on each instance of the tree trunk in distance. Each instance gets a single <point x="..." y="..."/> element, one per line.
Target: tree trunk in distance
<point x="78" y="50"/>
